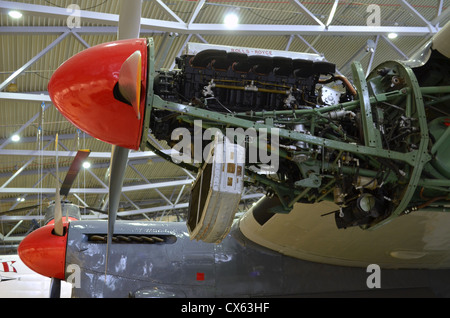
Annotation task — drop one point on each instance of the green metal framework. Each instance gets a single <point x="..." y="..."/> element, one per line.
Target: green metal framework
<point x="319" y="173"/>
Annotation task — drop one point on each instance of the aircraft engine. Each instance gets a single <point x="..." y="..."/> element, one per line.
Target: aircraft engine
<point x="377" y="149"/>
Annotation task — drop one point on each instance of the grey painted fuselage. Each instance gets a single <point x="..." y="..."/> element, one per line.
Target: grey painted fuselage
<point x="237" y="267"/>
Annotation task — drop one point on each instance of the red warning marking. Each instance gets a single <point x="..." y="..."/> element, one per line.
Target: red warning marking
<point x="200" y="276"/>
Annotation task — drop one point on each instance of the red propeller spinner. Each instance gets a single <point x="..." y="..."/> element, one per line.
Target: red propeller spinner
<point x="99" y="91"/>
<point x="45" y="252"/>
<point x="44" y="249"/>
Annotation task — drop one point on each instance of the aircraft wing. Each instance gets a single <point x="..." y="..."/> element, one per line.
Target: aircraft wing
<point x="418" y="240"/>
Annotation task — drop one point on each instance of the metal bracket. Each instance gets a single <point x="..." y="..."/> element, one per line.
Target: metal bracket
<point x="150" y="93"/>
<point x="372" y="136"/>
<point x="234" y="121"/>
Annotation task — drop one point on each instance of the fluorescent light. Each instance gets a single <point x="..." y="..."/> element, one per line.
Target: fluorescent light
<point x="86" y="165"/>
<point x="15" y="14"/>
<point x="231" y="20"/>
<point x="392" y="35"/>
<point x="15" y="138"/>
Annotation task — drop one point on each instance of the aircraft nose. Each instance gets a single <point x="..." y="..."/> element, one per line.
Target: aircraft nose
<point x="85" y="90"/>
<point x="44" y="252"/>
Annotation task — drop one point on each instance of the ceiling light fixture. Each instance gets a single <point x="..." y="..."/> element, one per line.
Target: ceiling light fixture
<point x="86" y="165"/>
<point x="15" y="138"/>
<point x="15" y="14"/>
<point x="231" y="20"/>
<point x="392" y="35"/>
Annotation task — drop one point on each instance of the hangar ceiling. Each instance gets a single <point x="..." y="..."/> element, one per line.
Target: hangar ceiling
<point x="49" y="32"/>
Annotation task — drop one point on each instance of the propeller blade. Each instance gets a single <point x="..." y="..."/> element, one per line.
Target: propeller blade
<point x="81" y="155"/>
<point x="21" y="209"/>
<point x="131" y="12"/>
<point x="68" y="181"/>
<point x="34" y="226"/>
<point x="97" y="210"/>
<point x="58" y="227"/>
<point x="55" y="288"/>
<point x="130" y="81"/>
<point x="129" y="19"/>
<point x="118" y="164"/>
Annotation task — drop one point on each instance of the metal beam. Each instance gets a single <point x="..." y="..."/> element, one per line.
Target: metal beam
<point x="148" y="182"/>
<point x="201" y="38"/>
<point x="311" y="17"/>
<point x="441" y="16"/>
<point x="80" y="39"/>
<point x="94" y="166"/>
<point x="25" y="96"/>
<point x="219" y="29"/>
<point x="395" y="47"/>
<point x="131" y="188"/>
<point x="97" y="178"/>
<point x="135" y="158"/>
<point x="181" y="49"/>
<point x="90" y="30"/>
<point x="47" y="138"/>
<point x="372" y="56"/>
<point x="368" y="47"/>
<point x="12" y="238"/>
<point x="332" y="13"/>
<point x="309" y="45"/>
<point x="332" y="30"/>
<point x="16" y="203"/>
<point x="60" y="12"/>
<point x="288" y="44"/>
<point x="242" y="30"/>
<point x="170" y="12"/>
<point x="28" y="123"/>
<point x="197" y="9"/>
<point x="33" y="60"/>
<point x="99" y="216"/>
<point x="13" y="229"/>
<point x="123" y="213"/>
<point x="17" y="173"/>
<point x="408" y="7"/>
<point x="150" y="136"/>
<point x="103" y="155"/>
<point x="315" y="51"/>
<point x="168" y="207"/>
<point x="161" y="55"/>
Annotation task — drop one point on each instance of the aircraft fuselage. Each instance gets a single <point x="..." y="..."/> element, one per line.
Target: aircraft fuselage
<point x="175" y="266"/>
